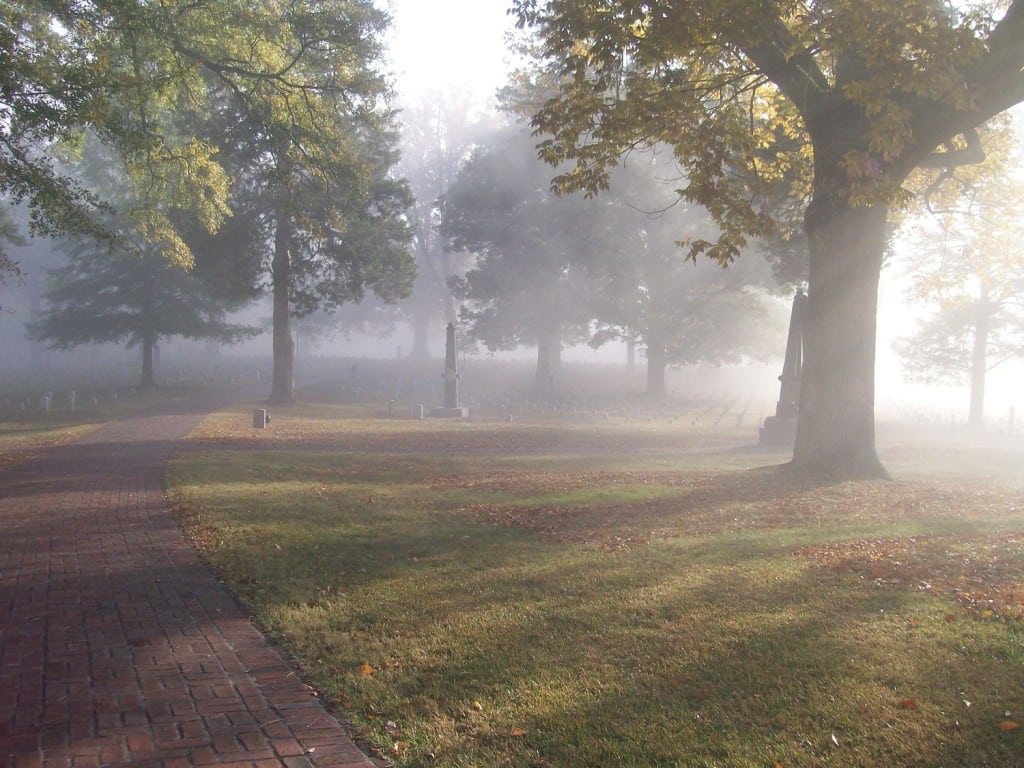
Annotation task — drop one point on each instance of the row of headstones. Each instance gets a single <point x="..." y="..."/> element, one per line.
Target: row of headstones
<point x="509" y="408"/>
<point x="69" y="400"/>
<point x="61" y="401"/>
<point x="945" y="418"/>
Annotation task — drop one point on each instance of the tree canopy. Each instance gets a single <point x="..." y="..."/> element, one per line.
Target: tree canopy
<point x="132" y="297"/>
<point x="529" y="284"/>
<point x="682" y="312"/>
<point x="123" y="72"/>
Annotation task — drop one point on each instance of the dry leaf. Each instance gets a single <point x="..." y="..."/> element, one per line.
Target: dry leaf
<point x="517" y="732"/>
<point x="478" y="706"/>
<point x="365" y="669"/>
<point x="908" y="704"/>
<point x="1009" y="725"/>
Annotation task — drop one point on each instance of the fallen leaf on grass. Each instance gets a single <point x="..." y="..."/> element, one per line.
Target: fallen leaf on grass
<point x="364" y="669"/>
<point x="517" y="732"/>
<point x="1009" y="725"/>
<point x="478" y="706"/>
<point x="983" y="573"/>
<point x="908" y="704"/>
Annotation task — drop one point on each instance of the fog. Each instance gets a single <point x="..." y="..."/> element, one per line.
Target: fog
<point x="444" y="133"/>
<point x="28" y="368"/>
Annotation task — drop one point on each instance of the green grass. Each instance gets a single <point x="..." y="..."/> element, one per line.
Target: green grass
<point x="587" y="607"/>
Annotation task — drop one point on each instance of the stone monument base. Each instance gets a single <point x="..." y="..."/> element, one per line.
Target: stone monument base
<point x="449" y="413"/>
<point x="778" y="431"/>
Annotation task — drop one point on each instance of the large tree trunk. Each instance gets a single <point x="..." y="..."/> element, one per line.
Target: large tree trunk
<point x="656" y="364"/>
<point x="836" y="425"/>
<point x="148" y="380"/>
<point x="283" y="387"/>
<point x="549" y="362"/>
<point x="976" y="415"/>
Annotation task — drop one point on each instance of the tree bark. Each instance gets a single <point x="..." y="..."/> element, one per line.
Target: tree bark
<point x="283" y="386"/>
<point x="656" y="364"/>
<point x="976" y="415"/>
<point x="836" y="421"/>
<point x="549" y="361"/>
<point x="148" y="380"/>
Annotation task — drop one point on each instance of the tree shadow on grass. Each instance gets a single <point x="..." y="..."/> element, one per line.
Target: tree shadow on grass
<point x="712" y="644"/>
<point x="718" y="672"/>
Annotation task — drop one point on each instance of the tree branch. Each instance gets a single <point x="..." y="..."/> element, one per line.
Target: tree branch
<point x="997" y="79"/>
<point x="993" y="84"/>
<point x="791" y="67"/>
<point x="953" y="158"/>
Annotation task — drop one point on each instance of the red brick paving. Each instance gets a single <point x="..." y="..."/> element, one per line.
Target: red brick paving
<point x="118" y="647"/>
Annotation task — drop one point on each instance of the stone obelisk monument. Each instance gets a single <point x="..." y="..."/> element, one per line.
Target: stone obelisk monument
<point x="451" y="380"/>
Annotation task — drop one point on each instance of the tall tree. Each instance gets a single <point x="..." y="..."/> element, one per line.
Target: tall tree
<point x="10" y="235"/>
<point x="138" y="297"/>
<point x="528" y="285"/>
<point x="857" y="94"/>
<point x="303" y="125"/>
<point x="969" y="272"/>
<point x="299" y="82"/>
<point x="682" y="312"/>
<point x="439" y="133"/>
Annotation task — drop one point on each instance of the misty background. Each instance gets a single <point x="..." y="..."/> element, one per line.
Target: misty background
<point x="448" y="61"/>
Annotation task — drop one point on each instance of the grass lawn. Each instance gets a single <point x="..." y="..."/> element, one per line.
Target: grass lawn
<point x="620" y="593"/>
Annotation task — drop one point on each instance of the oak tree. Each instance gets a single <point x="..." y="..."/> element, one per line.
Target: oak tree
<point x="855" y="94"/>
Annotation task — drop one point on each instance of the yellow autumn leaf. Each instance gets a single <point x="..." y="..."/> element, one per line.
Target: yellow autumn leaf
<point x="478" y="706"/>
<point x="365" y="669"/>
<point x="517" y="732"/>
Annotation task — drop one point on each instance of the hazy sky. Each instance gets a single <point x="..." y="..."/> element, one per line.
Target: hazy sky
<point x="443" y="43"/>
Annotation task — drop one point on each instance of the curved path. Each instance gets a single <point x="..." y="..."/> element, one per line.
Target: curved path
<point x="118" y="647"/>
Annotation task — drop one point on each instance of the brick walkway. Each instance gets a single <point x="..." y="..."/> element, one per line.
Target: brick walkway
<point x="118" y="647"/>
